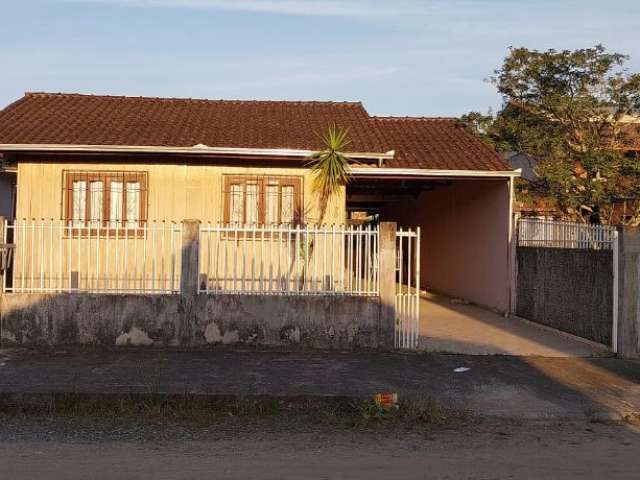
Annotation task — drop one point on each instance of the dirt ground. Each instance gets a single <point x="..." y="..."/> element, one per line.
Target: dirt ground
<point x="277" y="450"/>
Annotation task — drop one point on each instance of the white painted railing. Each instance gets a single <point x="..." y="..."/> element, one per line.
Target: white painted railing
<point x="407" y="329"/>
<point x="289" y="260"/>
<point x="534" y="232"/>
<point x="56" y="256"/>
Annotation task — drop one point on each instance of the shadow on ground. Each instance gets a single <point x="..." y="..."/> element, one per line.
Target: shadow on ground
<point x="447" y="326"/>
<point x="494" y="386"/>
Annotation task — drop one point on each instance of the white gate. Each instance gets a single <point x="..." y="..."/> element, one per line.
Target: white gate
<point x="407" y="288"/>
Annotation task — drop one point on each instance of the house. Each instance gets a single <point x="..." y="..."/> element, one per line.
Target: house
<point x="109" y="168"/>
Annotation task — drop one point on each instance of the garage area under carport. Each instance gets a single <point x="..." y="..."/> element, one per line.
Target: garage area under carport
<point x="465" y="261"/>
<point x="465" y="229"/>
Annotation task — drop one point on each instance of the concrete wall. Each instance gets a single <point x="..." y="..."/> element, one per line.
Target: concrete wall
<point x="629" y="293"/>
<point x="176" y="320"/>
<point x="567" y="289"/>
<point x="465" y="239"/>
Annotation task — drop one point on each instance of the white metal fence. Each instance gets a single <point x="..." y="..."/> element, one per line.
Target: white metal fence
<point x="289" y="260"/>
<point x="407" y="329"/>
<point x="534" y="232"/>
<point x="56" y="256"/>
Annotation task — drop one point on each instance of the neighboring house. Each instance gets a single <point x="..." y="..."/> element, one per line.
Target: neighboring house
<point x="522" y="162"/>
<point x="623" y="208"/>
<point x="116" y="164"/>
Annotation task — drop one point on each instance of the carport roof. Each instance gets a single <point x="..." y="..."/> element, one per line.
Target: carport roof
<point x="56" y="121"/>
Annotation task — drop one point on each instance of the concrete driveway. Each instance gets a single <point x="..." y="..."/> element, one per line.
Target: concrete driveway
<point x="446" y="326"/>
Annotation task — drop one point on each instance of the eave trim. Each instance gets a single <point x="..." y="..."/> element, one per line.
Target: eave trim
<point x="195" y="150"/>
<point x="424" y="173"/>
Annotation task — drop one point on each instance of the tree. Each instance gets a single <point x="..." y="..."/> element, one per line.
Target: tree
<point x="568" y="109"/>
<point x="330" y="166"/>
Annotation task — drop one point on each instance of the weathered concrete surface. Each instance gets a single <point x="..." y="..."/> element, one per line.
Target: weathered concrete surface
<point x="500" y="386"/>
<point x="175" y="320"/>
<point x="629" y="293"/>
<point x="567" y="289"/>
<point x="387" y="275"/>
<point x="447" y="326"/>
<point x="190" y="257"/>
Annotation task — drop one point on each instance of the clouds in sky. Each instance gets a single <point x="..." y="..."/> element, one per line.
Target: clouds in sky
<point x="344" y="8"/>
<point x="400" y="57"/>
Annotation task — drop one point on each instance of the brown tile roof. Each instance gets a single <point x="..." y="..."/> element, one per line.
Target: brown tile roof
<point x="631" y="137"/>
<point x="436" y="143"/>
<point x="72" y="119"/>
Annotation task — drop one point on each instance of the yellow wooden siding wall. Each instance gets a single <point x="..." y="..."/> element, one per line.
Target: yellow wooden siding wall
<point x="46" y="260"/>
<point x="175" y="192"/>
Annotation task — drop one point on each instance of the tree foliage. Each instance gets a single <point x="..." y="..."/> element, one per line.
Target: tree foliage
<point x="570" y="111"/>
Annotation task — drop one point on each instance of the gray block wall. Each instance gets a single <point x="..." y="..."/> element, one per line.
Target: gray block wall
<point x="567" y="289"/>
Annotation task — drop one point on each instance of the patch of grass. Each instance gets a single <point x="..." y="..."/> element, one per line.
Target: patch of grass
<point x="411" y="411"/>
<point x="208" y="409"/>
<point x="145" y="407"/>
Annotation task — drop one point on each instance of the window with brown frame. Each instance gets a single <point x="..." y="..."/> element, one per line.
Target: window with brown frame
<point x="105" y="199"/>
<point x="262" y="200"/>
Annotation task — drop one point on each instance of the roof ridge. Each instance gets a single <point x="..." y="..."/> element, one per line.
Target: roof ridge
<point x="408" y="118"/>
<point x="189" y="99"/>
<point x="13" y="104"/>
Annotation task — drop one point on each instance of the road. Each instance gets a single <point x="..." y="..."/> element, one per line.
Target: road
<point x="485" y="450"/>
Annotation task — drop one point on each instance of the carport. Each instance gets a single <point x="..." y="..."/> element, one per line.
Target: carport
<point x="465" y="260"/>
<point x="465" y="224"/>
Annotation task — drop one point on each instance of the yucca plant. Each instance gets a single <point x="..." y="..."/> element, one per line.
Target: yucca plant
<point x="330" y="166"/>
<point x="330" y="170"/>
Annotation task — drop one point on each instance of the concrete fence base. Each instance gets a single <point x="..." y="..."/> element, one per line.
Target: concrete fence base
<point x="192" y="319"/>
<point x="339" y="322"/>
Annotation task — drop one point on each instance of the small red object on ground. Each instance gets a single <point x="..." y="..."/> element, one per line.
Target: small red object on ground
<point x="386" y="400"/>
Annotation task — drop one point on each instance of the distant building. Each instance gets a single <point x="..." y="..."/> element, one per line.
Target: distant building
<point x="523" y="162"/>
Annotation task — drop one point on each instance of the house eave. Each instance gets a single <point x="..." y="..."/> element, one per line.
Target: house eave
<point x="194" y="150"/>
<point x="416" y="173"/>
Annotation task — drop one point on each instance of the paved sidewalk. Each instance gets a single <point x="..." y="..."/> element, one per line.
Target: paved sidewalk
<point x="527" y="387"/>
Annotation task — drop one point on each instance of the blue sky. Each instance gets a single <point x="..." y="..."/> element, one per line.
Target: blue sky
<point x="402" y="57"/>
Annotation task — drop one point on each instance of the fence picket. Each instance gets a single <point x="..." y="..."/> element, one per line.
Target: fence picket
<point x="535" y="232"/>
<point x="124" y="258"/>
<point x="59" y="256"/>
<point x="293" y="260"/>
